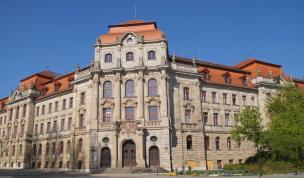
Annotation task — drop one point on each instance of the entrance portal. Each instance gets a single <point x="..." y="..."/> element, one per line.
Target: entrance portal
<point x="128" y="154"/>
<point x="105" y="160"/>
<point x="154" y="156"/>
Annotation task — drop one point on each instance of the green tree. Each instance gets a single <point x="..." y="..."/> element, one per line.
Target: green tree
<point x="285" y="135"/>
<point x="248" y="126"/>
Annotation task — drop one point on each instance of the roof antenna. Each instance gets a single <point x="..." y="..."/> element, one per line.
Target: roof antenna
<point x="199" y="52"/>
<point x="47" y="66"/>
<point x="135" y="12"/>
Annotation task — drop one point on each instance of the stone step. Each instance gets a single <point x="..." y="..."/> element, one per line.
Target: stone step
<point x="130" y="170"/>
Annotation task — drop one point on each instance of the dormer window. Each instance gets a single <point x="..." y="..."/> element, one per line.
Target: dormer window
<point x="57" y="86"/>
<point x="205" y="74"/>
<point x="108" y="58"/>
<point x="44" y="91"/>
<point x="129" y="56"/>
<point x="227" y="77"/>
<point x="151" y="55"/>
<point x="244" y="80"/>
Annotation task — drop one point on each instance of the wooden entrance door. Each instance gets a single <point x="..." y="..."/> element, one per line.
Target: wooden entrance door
<point x="154" y="156"/>
<point x="128" y="154"/>
<point x="105" y="160"/>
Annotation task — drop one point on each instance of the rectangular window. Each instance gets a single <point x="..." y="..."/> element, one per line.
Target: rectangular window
<point x="153" y="113"/>
<point x="219" y="164"/>
<point x="50" y="108"/>
<point x="226" y="119"/>
<point x="129" y="113"/>
<point x="186" y="93"/>
<point x="22" y="130"/>
<point x="224" y="98"/>
<point x="244" y="99"/>
<point x="43" y="110"/>
<point x="54" y="148"/>
<point x="24" y="110"/>
<point x="213" y="97"/>
<point x="48" y="128"/>
<point x="40" y="149"/>
<point x="10" y="114"/>
<point x="63" y="104"/>
<point x="204" y="96"/>
<point x="15" y="131"/>
<point x="55" y="126"/>
<point x="107" y="115"/>
<point x="37" y="111"/>
<point x="62" y="124"/>
<point x="205" y="118"/>
<point x="56" y="106"/>
<point x="36" y="129"/>
<point x="215" y="119"/>
<point x="71" y="102"/>
<point x="69" y="123"/>
<point x="230" y="161"/>
<point x="17" y="112"/>
<point x="217" y="143"/>
<point x="188" y="118"/>
<point x="81" y="121"/>
<point x="234" y="99"/>
<point x="41" y="128"/>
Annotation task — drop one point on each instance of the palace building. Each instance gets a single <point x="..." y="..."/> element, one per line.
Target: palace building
<point x="134" y="106"/>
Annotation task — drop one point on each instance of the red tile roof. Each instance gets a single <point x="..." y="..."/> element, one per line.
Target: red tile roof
<point x="3" y="103"/>
<point x="148" y="30"/>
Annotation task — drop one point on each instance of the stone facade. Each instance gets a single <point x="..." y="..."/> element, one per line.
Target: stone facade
<point x="134" y="106"/>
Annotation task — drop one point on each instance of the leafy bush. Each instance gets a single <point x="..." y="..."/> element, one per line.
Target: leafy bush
<point x="265" y="168"/>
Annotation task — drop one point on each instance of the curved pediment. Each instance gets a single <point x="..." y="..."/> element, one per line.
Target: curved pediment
<point x="130" y="101"/>
<point x="130" y="39"/>
<point x="152" y="100"/>
<point x="107" y="102"/>
<point x="189" y="106"/>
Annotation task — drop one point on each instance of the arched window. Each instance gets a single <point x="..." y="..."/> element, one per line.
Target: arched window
<point x="108" y="57"/>
<point x="129" y="88"/>
<point x="107" y="89"/>
<point x="80" y="145"/>
<point x="82" y="98"/>
<point x="151" y="55"/>
<point x="152" y="87"/>
<point x="68" y="147"/>
<point x="186" y="93"/>
<point x="61" y="147"/>
<point x="129" y="56"/>
<point x="47" y="148"/>
<point x="13" y="151"/>
<point x="217" y="143"/>
<point x="189" y="142"/>
<point x="229" y="143"/>
<point x="129" y="40"/>
<point x="20" y="149"/>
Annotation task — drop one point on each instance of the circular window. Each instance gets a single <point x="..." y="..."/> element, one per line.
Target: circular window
<point x="105" y="139"/>
<point x="153" y="138"/>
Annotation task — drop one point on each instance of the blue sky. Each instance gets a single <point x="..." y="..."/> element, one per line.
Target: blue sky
<point x="61" y="33"/>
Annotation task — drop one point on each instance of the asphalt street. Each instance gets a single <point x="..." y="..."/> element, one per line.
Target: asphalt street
<point x="47" y="174"/>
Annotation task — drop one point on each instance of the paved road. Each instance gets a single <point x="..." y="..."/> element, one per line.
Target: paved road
<point x="43" y="174"/>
